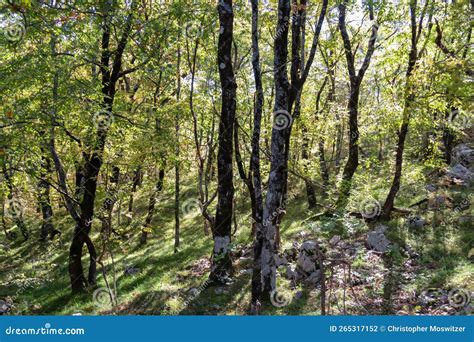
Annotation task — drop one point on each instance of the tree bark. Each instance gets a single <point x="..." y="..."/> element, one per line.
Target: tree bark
<point x="137" y="176"/>
<point x="221" y="267"/>
<point x="151" y="206"/>
<point x="255" y="161"/>
<point x="177" y="153"/>
<point x="353" y="104"/>
<point x="110" y="76"/>
<point x="416" y="30"/>
<point x="47" y="227"/>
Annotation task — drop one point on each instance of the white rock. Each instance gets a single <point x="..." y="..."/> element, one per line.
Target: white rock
<point x="335" y="239"/>
<point x="306" y="264"/>
<point x="378" y="241"/>
<point x="461" y="172"/>
<point x="309" y="246"/>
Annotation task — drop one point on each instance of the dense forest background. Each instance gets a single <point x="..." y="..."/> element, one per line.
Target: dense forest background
<point x="236" y="157"/>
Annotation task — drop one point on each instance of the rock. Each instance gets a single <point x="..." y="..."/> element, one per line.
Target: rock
<point x="430" y="187"/>
<point x="462" y="154"/>
<point x="377" y="240"/>
<point x="131" y="270"/>
<point x="416" y="222"/>
<point x="290" y="273"/>
<point x="335" y="240"/>
<point x="309" y="246"/>
<point x="4" y="307"/>
<point x="280" y="261"/>
<point x="306" y="264"/>
<point x="459" y="171"/>
<point x="313" y="279"/>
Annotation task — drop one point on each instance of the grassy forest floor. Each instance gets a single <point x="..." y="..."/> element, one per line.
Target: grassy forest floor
<point x="426" y="267"/>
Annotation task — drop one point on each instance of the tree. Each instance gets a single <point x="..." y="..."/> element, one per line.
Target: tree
<point x="221" y="260"/>
<point x="355" y="80"/>
<point x="409" y="96"/>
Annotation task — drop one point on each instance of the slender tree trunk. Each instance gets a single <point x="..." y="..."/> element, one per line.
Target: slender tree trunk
<point x="255" y="161"/>
<point x="448" y="136"/>
<point x="93" y="163"/>
<point x="137" y="176"/>
<point x="285" y="96"/>
<point x="79" y="181"/>
<point x="221" y="267"/>
<point x="177" y="153"/>
<point x="151" y="206"/>
<point x="353" y="104"/>
<point x="246" y="178"/>
<point x="276" y="181"/>
<point x="409" y="99"/>
<point x="310" y="192"/>
<point x="47" y="227"/>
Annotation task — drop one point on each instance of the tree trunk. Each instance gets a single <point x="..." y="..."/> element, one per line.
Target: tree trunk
<point x="221" y="267"/>
<point x="151" y="206"/>
<point x="137" y="176"/>
<point x="255" y="161"/>
<point x="177" y="153"/>
<point x="47" y="227"/>
<point x="409" y="99"/>
<point x="353" y="104"/>
<point x="276" y="181"/>
<point x="93" y="163"/>
<point x="310" y="192"/>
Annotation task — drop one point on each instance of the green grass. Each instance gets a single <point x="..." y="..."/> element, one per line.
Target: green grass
<point x="35" y="274"/>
